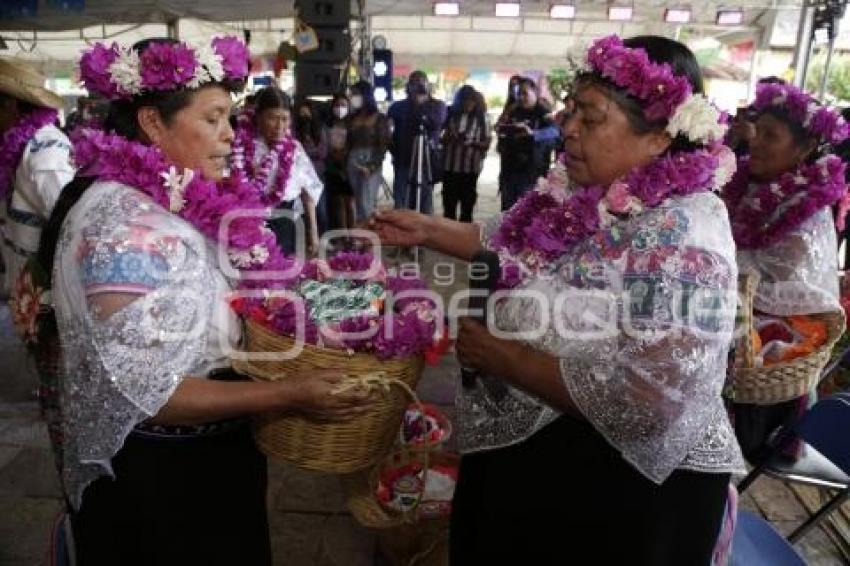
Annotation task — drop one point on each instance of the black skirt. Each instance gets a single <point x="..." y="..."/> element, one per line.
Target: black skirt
<point x="565" y="496"/>
<point x="178" y="499"/>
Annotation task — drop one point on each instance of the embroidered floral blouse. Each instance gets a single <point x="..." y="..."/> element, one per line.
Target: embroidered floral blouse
<point x="799" y="274"/>
<point x="641" y="317"/>
<point x="121" y="368"/>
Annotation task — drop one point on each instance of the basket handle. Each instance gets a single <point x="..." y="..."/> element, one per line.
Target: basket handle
<point x="377" y="381"/>
<point x="745" y="356"/>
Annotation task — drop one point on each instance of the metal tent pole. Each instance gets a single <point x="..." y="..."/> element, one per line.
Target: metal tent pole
<point x="803" y="48"/>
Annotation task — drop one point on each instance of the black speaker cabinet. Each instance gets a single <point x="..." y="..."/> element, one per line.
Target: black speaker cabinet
<point x="334" y="47"/>
<point x="325" y="12"/>
<point x="316" y="79"/>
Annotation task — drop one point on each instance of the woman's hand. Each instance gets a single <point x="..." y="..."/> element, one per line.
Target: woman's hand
<point x="314" y="396"/>
<point x="401" y="227"/>
<point x="477" y="349"/>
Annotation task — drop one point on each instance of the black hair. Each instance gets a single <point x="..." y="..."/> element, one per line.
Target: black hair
<point x="269" y="98"/>
<point x="23" y="106"/>
<point x="311" y="126"/>
<point x="365" y="89"/>
<point x="338" y="96"/>
<point x="121" y="119"/>
<point x="511" y="98"/>
<point x="463" y="94"/>
<point x="660" y="50"/>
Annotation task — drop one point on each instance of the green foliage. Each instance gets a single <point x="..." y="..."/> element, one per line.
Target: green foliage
<point x="496" y="101"/>
<point x="559" y="82"/>
<point x="838" y="82"/>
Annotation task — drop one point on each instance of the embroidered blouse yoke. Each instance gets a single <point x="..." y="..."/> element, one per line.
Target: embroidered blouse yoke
<point x="641" y="317"/>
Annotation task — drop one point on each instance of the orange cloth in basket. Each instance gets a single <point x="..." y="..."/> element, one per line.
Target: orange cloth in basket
<point x="812" y="335"/>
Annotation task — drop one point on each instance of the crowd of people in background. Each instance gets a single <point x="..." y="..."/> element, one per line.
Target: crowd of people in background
<point x="348" y="138"/>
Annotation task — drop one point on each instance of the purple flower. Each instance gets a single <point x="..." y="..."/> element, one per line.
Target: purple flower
<point x="822" y="122"/>
<point x="14" y="141"/>
<point x="235" y="56"/>
<point x="166" y="66"/>
<point x="94" y="70"/>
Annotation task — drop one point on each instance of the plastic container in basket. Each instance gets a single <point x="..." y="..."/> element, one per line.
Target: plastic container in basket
<point x="783" y="381"/>
<point x="344" y="447"/>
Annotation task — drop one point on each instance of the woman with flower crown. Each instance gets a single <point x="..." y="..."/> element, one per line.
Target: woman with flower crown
<point x="780" y="204"/>
<point x="596" y="427"/>
<point x="159" y="462"/>
<point x="267" y="155"/>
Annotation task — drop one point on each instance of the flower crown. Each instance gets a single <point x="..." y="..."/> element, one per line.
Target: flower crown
<point x="115" y="72"/>
<point x="820" y="121"/>
<point x="662" y="94"/>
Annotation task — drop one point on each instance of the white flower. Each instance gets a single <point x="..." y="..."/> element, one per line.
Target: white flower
<point x="125" y="71"/>
<point x="259" y="254"/>
<point x="240" y="259"/>
<point x="606" y="219"/>
<point x="209" y="67"/>
<point x="727" y="164"/>
<point x="176" y="183"/>
<point x="698" y="119"/>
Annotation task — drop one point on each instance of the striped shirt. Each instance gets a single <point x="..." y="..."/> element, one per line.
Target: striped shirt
<point x="460" y="131"/>
<point x="45" y="168"/>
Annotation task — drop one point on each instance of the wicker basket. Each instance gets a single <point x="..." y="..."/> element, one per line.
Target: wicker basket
<point x="360" y="489"/>
<point x="777" y="382"/>
<point x="339" y="448"/>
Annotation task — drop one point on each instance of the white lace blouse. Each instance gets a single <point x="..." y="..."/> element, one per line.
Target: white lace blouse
<point x="641" y="316"/>
<point x="799" y="274"/>
<point x="121" y="369"/>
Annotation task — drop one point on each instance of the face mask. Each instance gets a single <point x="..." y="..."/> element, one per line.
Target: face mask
<point x="356" y="102"/>
<point x="340" y="112"/>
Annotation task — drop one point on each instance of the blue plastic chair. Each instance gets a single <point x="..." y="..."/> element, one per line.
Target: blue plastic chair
<point x="757" y="543"/>
<point x="826" y="458"/>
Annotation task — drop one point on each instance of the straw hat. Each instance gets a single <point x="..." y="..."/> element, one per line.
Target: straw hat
<point x="23" y="82"/>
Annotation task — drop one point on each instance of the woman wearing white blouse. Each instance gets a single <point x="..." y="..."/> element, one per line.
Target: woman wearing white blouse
<point x="603" y="434"/>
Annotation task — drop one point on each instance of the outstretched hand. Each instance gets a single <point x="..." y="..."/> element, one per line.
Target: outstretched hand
<point x="400" y="227"/>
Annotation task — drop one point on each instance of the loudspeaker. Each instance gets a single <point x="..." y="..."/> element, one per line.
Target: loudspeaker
<point x="316" y="79"/>
<point x="334" y="47"/>
<point x="324" y="12"/>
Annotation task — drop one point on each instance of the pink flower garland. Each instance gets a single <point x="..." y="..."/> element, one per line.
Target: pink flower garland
<point x="654" y="84"/>
<point x="283" y="152"/>
<point x="547" y="222"/>
<point x="812" y="187"/>
<point x="15" y="140"/>
<point x="110" y="157"/>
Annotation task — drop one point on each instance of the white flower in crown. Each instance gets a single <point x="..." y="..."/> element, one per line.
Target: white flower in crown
<point x="176" y="183"/>
<point x="125" y="71"/>
<point x="209" y="68"/>
<point x="698" y="119"/>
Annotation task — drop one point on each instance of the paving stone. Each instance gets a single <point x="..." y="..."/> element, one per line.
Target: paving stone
<point x="30" y="432"/>
<point x="296" y="538"/>
<point x="345" y="543"/>
<point x="32" y="473"/>
<point x="776" y="500"/>
<point x="25" y="525"/>
<point x="7" y="454"/>
<point x="297" y="490"/>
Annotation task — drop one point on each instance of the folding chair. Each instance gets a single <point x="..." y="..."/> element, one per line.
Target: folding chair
<point x="757" y="543"/>
<point x="825" y="463"/>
